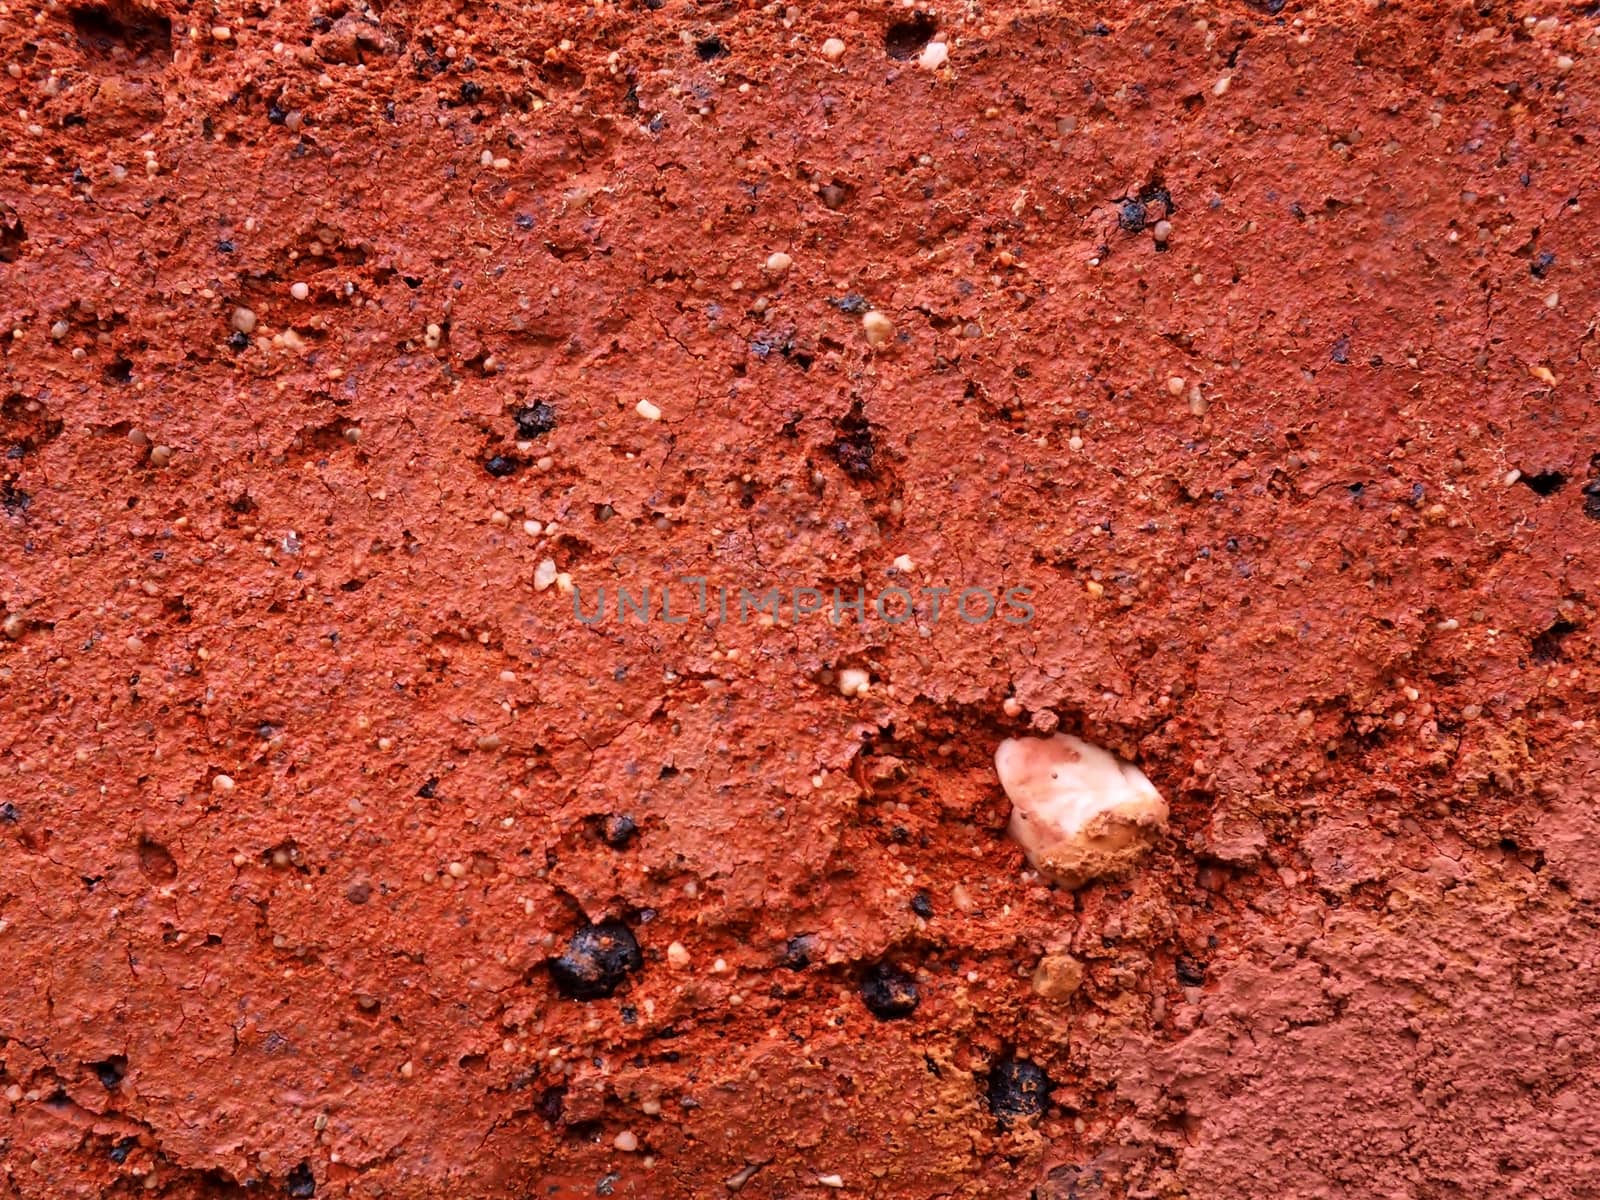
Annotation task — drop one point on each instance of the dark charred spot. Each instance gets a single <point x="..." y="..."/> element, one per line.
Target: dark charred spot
<point x="1132" y="216"/>
<point x="921" y="905"/>
<point x="888" y="993"/>
<point x="598" y="959"/>
<point x="797" y="951"/>
<point x="617" y="830"/>
<point x="535" y="420"/>
<point x="854" y="449"/>
<point x="1190" y="971"/>
<point x="709" y="48"/>
<point x="1541" y="264"/>
<point x="500" y="466"/>
<point x="1017" y="1088"/>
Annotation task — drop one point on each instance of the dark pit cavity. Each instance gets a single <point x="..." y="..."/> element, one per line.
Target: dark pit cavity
<point x="905" y="39"/>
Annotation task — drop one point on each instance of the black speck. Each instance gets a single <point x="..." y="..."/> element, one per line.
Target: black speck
<point x="1540" y="266"/>
<point x="430" y="789"/>
<point x="225" y="246"/>
<point x="1017" y="1088"/>
<point x="888" y="994"/>
<point x="119" y="1153"/>
<point x="301" y="1183"/>
<point x="1132" y="216"/>
<point x="1341" y="351"/>
<point x="119" y="370"/>
<point x="524" y="222"/>
<point x="9" y="814"/>
<point x="238" y="341"/>
<point x="598" y="959"/>
<point x="500" y="466"/>
<point x="850" y="302"/>
<point x="276" y="115"/>
<point x="921" y="905"/>
<point x="710" y="48"/>
<point x="1190" y="971"/>
<point x="617" y="831"/>
<point x="471" y="91"/>
<point x="535" y="420"/>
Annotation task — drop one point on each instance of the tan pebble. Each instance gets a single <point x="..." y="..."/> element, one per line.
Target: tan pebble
<point x="1057" y="976"/>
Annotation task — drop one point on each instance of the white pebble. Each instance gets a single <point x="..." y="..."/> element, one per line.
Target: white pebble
<point x="853" y="681"/>
<point x="244" y="320"/>
<point x="545" y="574"/>
<point x="833" y="49"/>
<point x="223" y="783"/>
<point x="626" y="1141"/>
<point x="1162" y="231"/>
<point x="299" y="291"/>
<point x="1078" y="812"/>
<point x="904" y="563"/>
<point x="1220" y="87"/>
<point x="647" y="410"/>
<point x="677" y="955"/>
<point x="934" y="55"/>
<point x="778" y="262"/>
<point x="878" y="328"/>
<point x="60" y="330"/>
